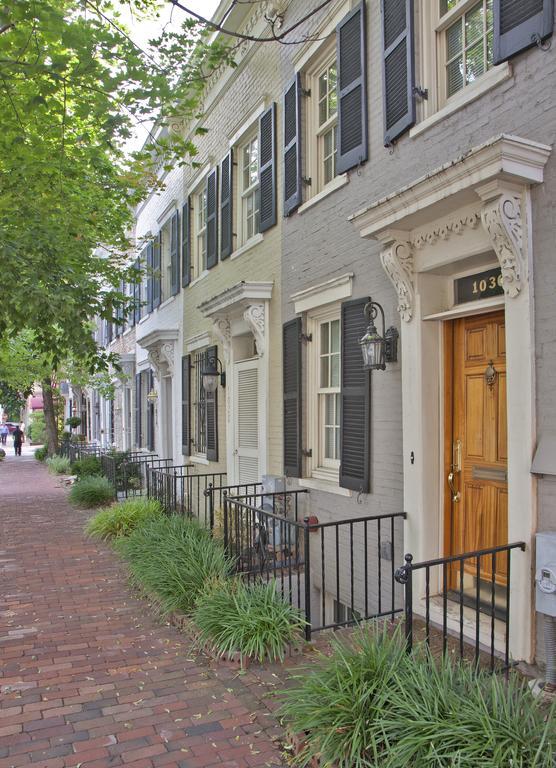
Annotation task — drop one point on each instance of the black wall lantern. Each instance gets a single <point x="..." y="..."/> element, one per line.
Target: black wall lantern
<point x="378" y="349"/>
<point x="210" y="375"/>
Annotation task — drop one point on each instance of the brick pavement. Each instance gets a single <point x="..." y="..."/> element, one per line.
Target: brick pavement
<point x="88" y="679"/>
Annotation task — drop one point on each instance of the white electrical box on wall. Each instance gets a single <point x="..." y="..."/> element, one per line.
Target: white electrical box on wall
<point x="545" y="575"/>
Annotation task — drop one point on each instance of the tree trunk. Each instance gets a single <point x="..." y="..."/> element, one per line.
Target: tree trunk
<point x="49" y="418"/>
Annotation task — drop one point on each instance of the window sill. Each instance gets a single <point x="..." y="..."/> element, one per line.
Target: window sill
<point x="337" y="183"/>
<point x="198" y="279"/>
<point x="469" y="94"/>
<point x="323" y="485"/>
<point x="145" y="318"/>
<point x="199" y="460"/>
<point x="251" y="243"/>
<point x="166" y="302"/>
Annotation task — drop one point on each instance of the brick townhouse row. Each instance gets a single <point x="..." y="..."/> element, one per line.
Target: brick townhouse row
<point x="399" y="152"/>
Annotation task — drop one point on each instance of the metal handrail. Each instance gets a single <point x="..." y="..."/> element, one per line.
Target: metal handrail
<point x="474" y="600"/>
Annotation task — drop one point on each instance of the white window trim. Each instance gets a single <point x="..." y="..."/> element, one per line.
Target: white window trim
<point x="251" y="243"/>
<point x="324" y="57"/>
<point x="323" y="293"/>
<point x="314" y="471"/>
<point x="243" y="194"/>
<point x="200" y="341"/>
<point x="437" y="107"/>
<point x="336" y="183"/>
<point x="247" y="126"/>
<point x="197" y="259"/>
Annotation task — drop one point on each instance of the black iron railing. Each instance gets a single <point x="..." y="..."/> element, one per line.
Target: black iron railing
<point x="134" y="475"/>
<point x="75" y="451"/>
<point x="112" y="464"/>
<point x="464" y="601"/>
<point x="335" y="573"/>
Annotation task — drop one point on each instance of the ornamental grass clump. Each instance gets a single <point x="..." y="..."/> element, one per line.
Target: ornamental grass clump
<point x="371" y="705"/>
<point x="122" y="518"/>
<point x="59" y="465"/>
<point x="41" y="453"/>
<point x="87" y="465"/>
<point x="91" y="491"/>
<point x="174" y="558"/>
<point x="251" y="620"/>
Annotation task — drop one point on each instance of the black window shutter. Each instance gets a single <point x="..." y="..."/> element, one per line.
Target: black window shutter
<point x="157" y="269"/>
<point x="398" y="68"/>
<point x="175" y="253"/>
<point x="226" y="212"/>
<point x="212" y="219"/>
<point x="352" y="90"/>
<point x="186" y="243"/>
<point x="150" y="277"/>
<point x="267" y="168"/>
<point x="211" y="414"/>
<point x="150" y="416"/>
<point x="355" y="431"/>
<point x="291" y="368"/>
<point x="186" y="405"/>
<point x="138" y="410"/>
<point x="519" y="24"/>
<point x="292" y="147"/>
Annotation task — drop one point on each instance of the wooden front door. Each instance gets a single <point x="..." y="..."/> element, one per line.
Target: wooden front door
<point x="476" y="444"/>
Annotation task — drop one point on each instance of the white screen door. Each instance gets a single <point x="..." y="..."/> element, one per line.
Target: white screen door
<point x="246" y="450"/>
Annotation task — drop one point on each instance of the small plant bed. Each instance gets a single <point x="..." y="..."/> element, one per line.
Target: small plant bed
<point x="86" y="466"/>
<point x="370" y="704"/>
<point x="174" y="559"/>
<point x="41" y="453"/>
<point x="91" y="492"/>
<point x="59" y="465"/>
<point x="122" y="518"/>
<point x="242" y="622"/>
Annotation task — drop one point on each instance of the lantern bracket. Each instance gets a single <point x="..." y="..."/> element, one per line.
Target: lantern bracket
<point x="391" y="345"/>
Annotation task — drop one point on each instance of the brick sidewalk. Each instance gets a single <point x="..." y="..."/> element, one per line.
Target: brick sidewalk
<point x="87" y="678"/>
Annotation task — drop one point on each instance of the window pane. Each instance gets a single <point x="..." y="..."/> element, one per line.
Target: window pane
<point x="335" y="370"/>
<point x="489" y="14"/>
<point x="475" y="62"/>
<point x="490" y="54"/>
<point x="329" y="410"/>
<point x="335" y="336"/>
<point x="324" y="371"/>
<point x="332" y="98"/>
<point x="328" y="143"/>
<point x="455" y="75"/>
<point x="329" y="443"/>
<point x="337" y="431"/>
<point x="447" y="5"/>
<point x="324" y="338"/>
<point x="474" y="24"/>
<point x="323" y="85"/>
<point x="254" y="168"/>
<point x="454" y="40"/>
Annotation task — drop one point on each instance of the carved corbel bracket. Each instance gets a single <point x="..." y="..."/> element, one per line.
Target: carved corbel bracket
<point x="502" y="219"/>
<point x="156" y="362"/>
<point x="397" y="261"/>
<point x="223" y="332"/>
<point x="167" y="354"/>
<point x="254" y="316"/>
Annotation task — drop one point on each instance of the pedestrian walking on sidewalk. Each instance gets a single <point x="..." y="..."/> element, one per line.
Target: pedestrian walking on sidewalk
<point x="18" y="440"/>
<point x="4" y="432"/>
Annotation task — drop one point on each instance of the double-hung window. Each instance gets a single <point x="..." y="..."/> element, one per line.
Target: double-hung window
<point x="250" y="193"/>
<point x="198" y="404"/>
<point x="327" y="120"/>
<point x="324" y="398"/>
<point x="200" y="240"/>
<point x="465" y="41"/>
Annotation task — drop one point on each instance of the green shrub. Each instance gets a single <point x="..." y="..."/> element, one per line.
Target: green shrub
<point x="91" y="491"/>
<point x="250" y="619"/>
<point x="370" y="704"/>
<point x="122" y="518"/>
<point x="59" y="465"/>
<point x="41" y="453"/>
<point x="87" y="465"/>
<point x="37" y="429"/>
<point x="2" y="454"/>
<point x="174" y="558"/>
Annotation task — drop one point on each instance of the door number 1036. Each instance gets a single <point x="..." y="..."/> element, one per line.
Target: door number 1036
<point x="487" y="284"/>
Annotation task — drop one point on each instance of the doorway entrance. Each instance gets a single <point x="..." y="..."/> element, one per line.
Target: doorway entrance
<point x="246" y="417"/>
<point x="476" y="456"/>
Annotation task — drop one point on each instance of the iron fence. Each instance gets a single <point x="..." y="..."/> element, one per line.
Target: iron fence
<point x="335" y="573"/>
<point x="464" y="600"/>
<point x="120" y="466"/>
